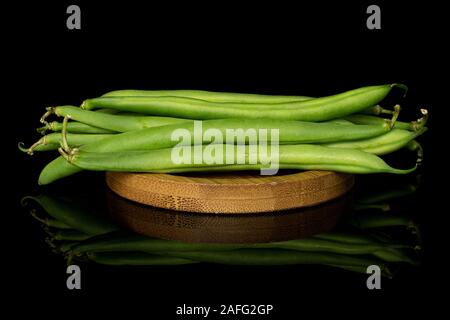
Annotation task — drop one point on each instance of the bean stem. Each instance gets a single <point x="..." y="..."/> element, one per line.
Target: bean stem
<point x="73" y="127"/>
<point x="52" y="141"/>
<point x="53" y="223"/>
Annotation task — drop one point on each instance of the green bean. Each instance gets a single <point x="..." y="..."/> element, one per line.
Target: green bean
<point x="250" y="100"/>
<point x="370" y="220"/>
<point x="386" y="272"/>
<point x="413" y="145"/>
<point x="347" y="237"/>
<point x="114" y="122"/>
<point x="320" y="245"/>
<point x="73" y="214"/>
<point x="416" y="125"/>
<point x="300" y="157"/>
<point x="136" y="258"/>
<point x="52" y="141"/>
<point x="320" y="109"/>
<point x="273" y="257"/>
<point x="373" y="206"/>
<point x="145" y="259"/>
<point x="117" y="241"/>
<point x="207" y="96"/>
<point x="68" y="235"/>
<point x="394" y="255"/>
<point x="53" y="223"/>
<point x="386" y="195"/>
<point x="161" y="137"/>
<point x="73" y="127"/>
<point x="389" y="142"/>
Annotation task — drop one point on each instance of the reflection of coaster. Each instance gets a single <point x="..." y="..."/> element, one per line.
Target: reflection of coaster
<point x="231" y="228"/>
<point x="230" y="193"/>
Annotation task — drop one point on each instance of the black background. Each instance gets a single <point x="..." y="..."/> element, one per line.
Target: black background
<point x="271" y="47"/>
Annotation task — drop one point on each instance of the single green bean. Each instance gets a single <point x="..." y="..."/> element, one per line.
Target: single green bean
<point x="207" y="96"/>
<point x="394" y="255"/>
<point x="73" y="127"/>
<point x="369" y="220"/>
<point x="320" y="109"/>
<point x="386" y="195"/>
<point x="391" y="141"/>
<point x="114" y="122"/>
<point x="376" y="220"/>
<point x="347" y="237"/>
<point x="250" y="100"/>
<point x="300" y="157"/>
<point x="52" y="141"/>
<point x="373" y="206"/>
<point x="136" y="258"/>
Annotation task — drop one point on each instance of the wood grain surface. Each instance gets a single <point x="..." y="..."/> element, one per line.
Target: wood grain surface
<point x="230" y="228"/>
<point x="227" y="193"/>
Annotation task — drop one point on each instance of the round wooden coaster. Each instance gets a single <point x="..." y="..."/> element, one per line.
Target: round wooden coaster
<point x="230" y="192"/>
<point x="231" y="228"/>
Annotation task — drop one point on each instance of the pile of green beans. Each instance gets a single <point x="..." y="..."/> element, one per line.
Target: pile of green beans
<point x="130" y="130"/>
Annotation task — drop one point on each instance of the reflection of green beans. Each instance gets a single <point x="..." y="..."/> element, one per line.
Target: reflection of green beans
<point x="73" y="214"/>
<point x="376" y="220"/>
<point x="118" y="241"/>
<point x="387" y="194"/>
<point x="394" y="255"/>
<point x="66" y="246"/>
<point x="347" y="237"/>
<point x="273" y="257"/>
<point x="376" y="206"/>
<point x="68" y="235"/>
<point x="53" y="223"/>
<point x="136" y="258"/>
<point x="363" y="269"/>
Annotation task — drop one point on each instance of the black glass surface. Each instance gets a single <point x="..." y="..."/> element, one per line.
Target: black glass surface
<point x="284" y="49"/>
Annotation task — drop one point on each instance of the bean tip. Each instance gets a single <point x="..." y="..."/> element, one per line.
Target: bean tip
<point x="400" y="86"/>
